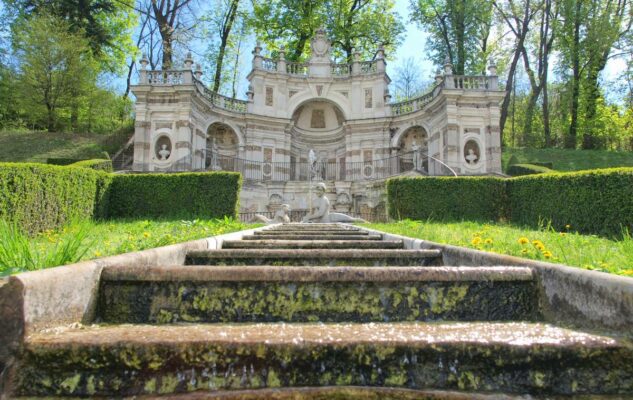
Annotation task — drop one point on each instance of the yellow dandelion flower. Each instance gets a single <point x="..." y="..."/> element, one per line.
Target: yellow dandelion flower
<point x="628" y="272"/>
<point x="476" y="240"/>
<point x="524" y="251"/>
<point x="145" y="234"/>
<point x="488" y="241"/>
<point x="567" y="226"/>
<point x="563" y="234"/>
<point x="524" y="240"/>
<point x="547" y="254"/>
<point x="540" y="247"/>
<point x="97" y="254"/>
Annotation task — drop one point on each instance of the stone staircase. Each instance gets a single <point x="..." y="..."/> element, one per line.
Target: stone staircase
<point x="323" y="309"/>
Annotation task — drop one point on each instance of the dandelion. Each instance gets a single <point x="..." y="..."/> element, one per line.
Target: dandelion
<point x="524" y="240"/>
<point x="547" y="254"/>
<point x="476" y="241"/>
<point x="567" y="226"/>
<point x="146" y="234"/>
<point x="563" y="234"/>
<point x="628" y="272"/>
<point x="524" y="251"/>
<point x="488" y="241"/>
<point x="97" y="254"/>
<point x="539" y="245"/>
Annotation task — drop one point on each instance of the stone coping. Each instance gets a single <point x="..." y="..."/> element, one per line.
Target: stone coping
<point x="569" y="296"/>
<point x="315" y="253"/>
<point x="192" y="273"/>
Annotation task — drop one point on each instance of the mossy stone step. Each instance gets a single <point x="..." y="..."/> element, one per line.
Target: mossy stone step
<point x="514" y="357"/>
<point x="170" y="294"/>
<point x="327" y="233"/>
<point x="299" y="257"/>
<point x="312" y="236"/>
<point x="312" y="244"/>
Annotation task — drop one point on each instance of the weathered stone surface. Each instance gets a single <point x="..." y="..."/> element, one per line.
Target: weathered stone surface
<point x="271" y="294"/>
<point x="507" y="357"/>
<point x="313" y="236"/>
<point x="313" y="244"/>
<point x="314" y="257"/>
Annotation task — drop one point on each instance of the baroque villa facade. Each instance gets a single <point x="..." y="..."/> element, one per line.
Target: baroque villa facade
<point x="342" y="112"/>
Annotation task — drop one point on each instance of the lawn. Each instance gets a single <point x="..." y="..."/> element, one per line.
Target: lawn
<point x="571" y="160"/>
<point x="88" y="240"/>
<point x="38" y="146"/>
<point x="568" y="247"/>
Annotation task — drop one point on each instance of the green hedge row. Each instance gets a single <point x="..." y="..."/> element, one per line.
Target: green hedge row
<point x="39" y="197"/>
<point x="96" y="164"/>
<point x="595" y="202"/>
<point x="203" y="195"/>
<point x="527" y="169"/>
<point x="477" y="198"/>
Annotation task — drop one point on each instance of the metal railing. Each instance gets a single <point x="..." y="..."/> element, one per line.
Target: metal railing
<point x="331" y="170"/>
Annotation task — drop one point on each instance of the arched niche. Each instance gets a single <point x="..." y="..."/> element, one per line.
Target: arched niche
<point x="318" y="116"/>
<point x="412" y="139"/>
<point x="222" y="146"/>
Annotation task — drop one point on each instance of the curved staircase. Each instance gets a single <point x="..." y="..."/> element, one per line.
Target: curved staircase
<point x="327" y="311"/>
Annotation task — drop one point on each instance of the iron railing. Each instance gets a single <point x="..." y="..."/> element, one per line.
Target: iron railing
<point x="330" y="170"/>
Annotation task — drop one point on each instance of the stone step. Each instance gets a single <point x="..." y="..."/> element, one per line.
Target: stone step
<point x="169" y="294"/>
<point x="312" y="244"/>
<point x="312" y="236"/>
<point x="306" y="257"/>
<point x="315" y="232"/>
<point x="295" y="226"/>
<point x="515" y="357"/>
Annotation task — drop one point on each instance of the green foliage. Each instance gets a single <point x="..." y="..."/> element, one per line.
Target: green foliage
<point x="567" y="159"/>
<point x="61" y="161"/>
<point x="527" y="169"/>
<point x="359" y="25"/>
<point x="186" y="195"/>
<point x="599" y="201"/>
<point x="596" y="202"/>
<point x="37" y="197"/>
<point x="444" y="198"/>
<point x="543" y="243"/>
<point x="97" y="164"/>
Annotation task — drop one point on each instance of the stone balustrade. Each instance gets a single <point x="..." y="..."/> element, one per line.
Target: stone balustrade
<point x="224" y="102"/>
<point x="300" y="69"/>
<point x="163" y="78"/>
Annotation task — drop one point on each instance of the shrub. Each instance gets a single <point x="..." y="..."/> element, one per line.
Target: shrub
<point x="597" y="201"/>
<point x="446" y="198"/>
<point x="527" y="169"/>
<point x="98" y="165"/>
<point x="183" y="195"/>
<point x="37" y="197"/>
<point x="61" y="161"/>
<point x="546" y="164"/>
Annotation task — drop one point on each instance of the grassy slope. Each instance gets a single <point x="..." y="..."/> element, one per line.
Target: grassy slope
<point x="570" y="248"/>
<point x="38" y="146"/>
<point x="571" y="160"/>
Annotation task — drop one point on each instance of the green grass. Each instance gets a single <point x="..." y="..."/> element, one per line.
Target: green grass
<point x="101" y="239"/>
<point x="570" y="160"/>
<point x="38" y="146"/>
<point x="569" y="247"/>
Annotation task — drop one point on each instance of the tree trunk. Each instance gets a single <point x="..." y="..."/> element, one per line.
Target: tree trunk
<point x="570" y="140"/>
<point x="51" y="118"/>
<point x="461" y="35"/>
<point x="226" y="31"/>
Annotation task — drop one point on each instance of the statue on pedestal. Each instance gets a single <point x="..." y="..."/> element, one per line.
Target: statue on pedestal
<point x="472" y="158"/>
<point x="320" y="212"/>
<point x="417" y="157"/>
<point x="164" y="152"/>
<point x="215" y="166"/>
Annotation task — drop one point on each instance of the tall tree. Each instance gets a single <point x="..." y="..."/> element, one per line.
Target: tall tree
<point x="55" y="65"/>
<point x="106" y="24"/>
<point x="459" y="31"/>
<point x="517" y="17"/>
<point x="407" y="79"/>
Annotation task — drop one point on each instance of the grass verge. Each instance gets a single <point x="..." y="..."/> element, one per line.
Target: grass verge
<point x="570" y="160"/>
<point x="545" y="244"/>
<point x="89" y="239"/>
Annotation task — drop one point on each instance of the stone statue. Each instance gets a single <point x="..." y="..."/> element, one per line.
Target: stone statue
<point x="281" y="216"/>
<point x="215" y="166"/>
<point x="471" y="157"/>
<point x="320" y="212"/>
<point x="417" y="157"/>
<point x="313" y="164"/>
<point x="164" y="153"/>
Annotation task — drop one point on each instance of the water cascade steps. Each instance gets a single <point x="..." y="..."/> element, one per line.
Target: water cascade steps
<point x="314" y="308"/>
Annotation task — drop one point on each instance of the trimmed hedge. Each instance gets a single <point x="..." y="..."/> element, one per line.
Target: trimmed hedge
<point x="182" y="195"/>
<point x="97" y="165"/>
<point x="527" y="169"/>
<point x="597" y="201"/>
<point x="446" y="198"/>
<point x="39" y="197"/>
<point x="61" y="161"/>
<point x="593" y="202"/>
